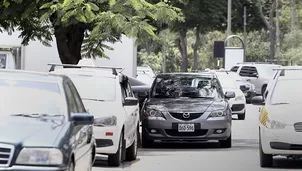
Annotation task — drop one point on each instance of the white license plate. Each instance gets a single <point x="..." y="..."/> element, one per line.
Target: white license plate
<point x="186" y="128"/>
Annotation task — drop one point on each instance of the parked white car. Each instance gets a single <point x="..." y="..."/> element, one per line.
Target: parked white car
<point x="239" y="102"/>
<point x="108" y="96"/>
<point x="280" y="120"/>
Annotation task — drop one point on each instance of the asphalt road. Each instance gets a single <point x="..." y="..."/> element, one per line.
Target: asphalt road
<point x="206" y="156"/>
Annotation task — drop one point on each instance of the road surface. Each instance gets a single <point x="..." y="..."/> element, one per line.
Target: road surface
<point x="196" y="157"/>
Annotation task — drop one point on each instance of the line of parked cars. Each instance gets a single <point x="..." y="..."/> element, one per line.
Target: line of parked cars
<point x="62" y="119"/>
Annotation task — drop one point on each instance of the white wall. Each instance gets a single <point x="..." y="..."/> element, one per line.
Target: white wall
<point x="36" y="56"/>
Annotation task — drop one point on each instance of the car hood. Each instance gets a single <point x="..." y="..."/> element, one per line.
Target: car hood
<point x="185" y="104"/>
<point x="96" y="108"/>
<point x="26" y="131"/>
<point x="290" y="114"/>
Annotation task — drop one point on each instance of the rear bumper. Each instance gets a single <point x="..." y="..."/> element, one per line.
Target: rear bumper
<point x="205" y="130"/>
<point x="32" y="168"/>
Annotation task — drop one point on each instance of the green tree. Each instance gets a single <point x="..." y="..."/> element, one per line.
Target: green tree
<point x="82" y="26"/>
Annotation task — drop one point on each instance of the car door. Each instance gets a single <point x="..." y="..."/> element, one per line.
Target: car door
<point x="250" y="74"/>
<point x="131" y="113"/>
<point x="79" y="131"/>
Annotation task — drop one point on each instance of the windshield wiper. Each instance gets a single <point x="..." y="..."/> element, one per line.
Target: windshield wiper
<point x="281" y="103"/>
<point x="93" y="99"/>
<point x="36" y="115"/>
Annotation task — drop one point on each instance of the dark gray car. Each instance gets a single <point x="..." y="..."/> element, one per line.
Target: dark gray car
<point x="188" y="107"/>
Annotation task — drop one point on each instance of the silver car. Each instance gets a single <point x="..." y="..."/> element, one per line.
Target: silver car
<point x="187" y="107"/>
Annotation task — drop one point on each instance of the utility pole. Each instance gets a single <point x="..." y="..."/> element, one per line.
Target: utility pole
<point x="277" y="31"/>
<point x="164" y="54"/>
<point x="229" y="28"/>
<point x="244" y="32"/>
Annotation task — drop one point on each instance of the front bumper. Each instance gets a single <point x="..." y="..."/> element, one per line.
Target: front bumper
<point x="107" y="139"/>
<point x="204" y="129"/>
<point x="33" y="168"/>
<point x="238" y="108"/>
<point x="281" y="142"/>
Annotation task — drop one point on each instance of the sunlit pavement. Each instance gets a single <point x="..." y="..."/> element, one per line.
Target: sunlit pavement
<point x="206" y="156"/>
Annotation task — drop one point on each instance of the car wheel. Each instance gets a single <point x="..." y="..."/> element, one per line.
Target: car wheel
<point x="71" y="166"/>
<point x="241" y="116"/>
<point x="226" y="143"/>
<point x="131" y="152"/>
<point x="266" y="160"/>
<point x="116" y="159"/>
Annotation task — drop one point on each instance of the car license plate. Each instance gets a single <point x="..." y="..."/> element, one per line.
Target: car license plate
<point x="186" y="128"/>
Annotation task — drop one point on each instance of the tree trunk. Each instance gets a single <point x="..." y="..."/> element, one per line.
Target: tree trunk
<point x="196" y="47"/>
<point x="183" y="50"/>
<point x="272" y="43"/>
<point x="69" y="42"/>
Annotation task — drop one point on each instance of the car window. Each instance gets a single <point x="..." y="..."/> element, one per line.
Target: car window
<point x="23" y="96"/>
<point x="234" y="68"/>
<point x="248" y="71"/>
<point x="286" y="91"/>
<point x="227" y="81"/>
<point x="189" y="86"/>
<point x="77" y="98"/>
<point x="71" y="101"/>
<point x="92" y="87"/>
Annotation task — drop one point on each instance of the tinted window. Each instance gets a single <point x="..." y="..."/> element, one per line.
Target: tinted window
<point x="248" y="71"/>
<point x="71" y="101"/>
<point x="235" y="68"/>
<point x="19" y="96"/>
<point x="135" y="82"/>
<point x="91" y="87"/>
<point x="287" y="91"/>
<point x="176" y="86"/>
<point x="77" y="98"/>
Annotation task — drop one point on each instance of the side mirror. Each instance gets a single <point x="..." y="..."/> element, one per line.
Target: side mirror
<point x="82" y="118"/>
<point x="130" y="101"/>
<point x="257" y="100"/>
<point x="142" y="95"/>
<point x="229" y="95"/>
<point x="255" y="75"/>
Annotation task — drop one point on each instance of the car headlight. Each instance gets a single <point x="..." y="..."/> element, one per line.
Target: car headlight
<point x="105" y="121"/>
<point x="218" y="113"/>
<point x="270" y="123"/>
<point x="40" y="156"/>
<point x="154" y="114"/>
<point x="239" y="98"/>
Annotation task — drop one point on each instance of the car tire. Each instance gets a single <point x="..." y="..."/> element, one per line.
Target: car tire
<point x="117" y="158"/>
<point x="131" y="152"/>
<point x="266" y="160"/>
<point x="226" y="143"/>
<point x="241" y="116"/>
<point x="71" y="165"/>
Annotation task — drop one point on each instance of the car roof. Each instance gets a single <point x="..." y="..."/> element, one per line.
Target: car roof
<point x="30" y="76"/>
<point x="256" y="64"/>
<point x="204" y="74"/>
<point x="85" y="71"/>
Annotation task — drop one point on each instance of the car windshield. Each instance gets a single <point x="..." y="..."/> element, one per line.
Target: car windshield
<point x="227" y="81"/>
<point x="176" y="86"/>
<point x="30" y="97"/>
<point x="94" y="88"/>
<point x="287" y="91"/>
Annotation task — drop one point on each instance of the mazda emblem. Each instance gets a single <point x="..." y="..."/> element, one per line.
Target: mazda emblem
<point x="186" y="115"/>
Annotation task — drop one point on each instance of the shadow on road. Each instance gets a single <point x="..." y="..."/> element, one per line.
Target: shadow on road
<point x="102" y="161"/>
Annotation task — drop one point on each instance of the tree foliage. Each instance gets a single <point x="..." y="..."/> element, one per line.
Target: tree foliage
<point x="82" y="26"/>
